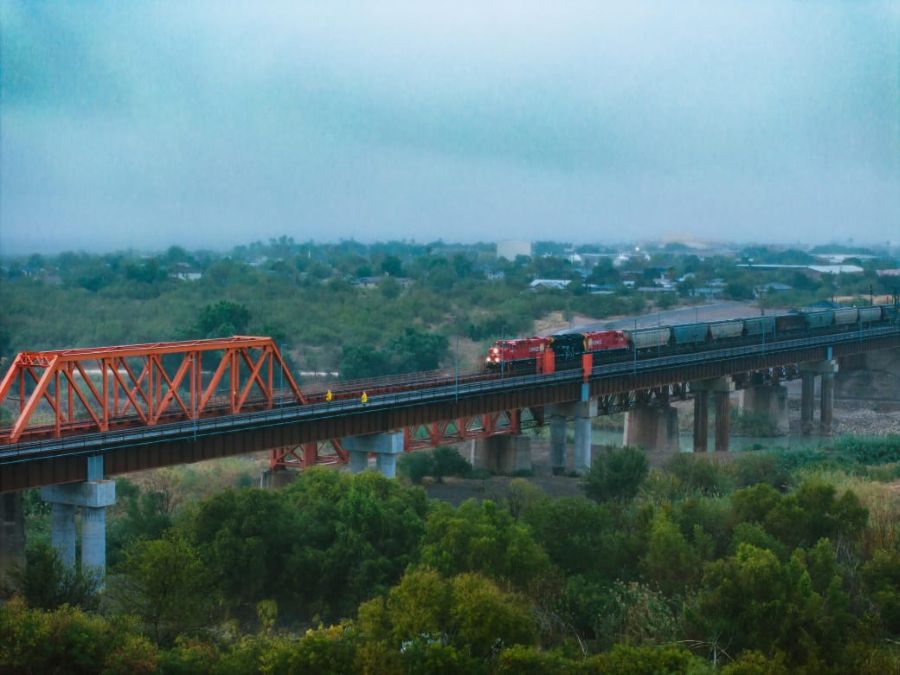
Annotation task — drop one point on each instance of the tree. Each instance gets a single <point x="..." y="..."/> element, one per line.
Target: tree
<point x="616" y="475"/>
<point x="223" y="319"/>
<point x="482" y="537"/>
<point x="247" y="540"/>
<point x="45" y="582"/>
<point x="361" y="361"/>
<point x="448" y="462"/>
<point x="751" y="600"/>
<point x="165" y="583"/>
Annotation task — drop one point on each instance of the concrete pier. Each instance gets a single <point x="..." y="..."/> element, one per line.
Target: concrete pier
<point x="808" y="373"/>
<point x="723" y="421"/>
<point x="721" y="388"/>
<point x="770" y="401"/>
<point x="502" y="454"/>
<point x="62" y="532"/>
<point x="582" y="444"/>
<point x="701" y="420"/>
<point x="12" y="532"/>
<point x="652" y="428"/>
<point x="558" y="444"/>
<point x="92" y="496"/>
<point x="826" y="410"/>
<point x="807" y="402"/>
<point x="386" y="447"/>
<point x="581" y="412"/>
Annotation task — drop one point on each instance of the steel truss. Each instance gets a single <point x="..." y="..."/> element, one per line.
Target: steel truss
<point x="102" y="388"/>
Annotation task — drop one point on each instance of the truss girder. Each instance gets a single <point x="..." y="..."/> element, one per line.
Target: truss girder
<point x="97" y="389"/>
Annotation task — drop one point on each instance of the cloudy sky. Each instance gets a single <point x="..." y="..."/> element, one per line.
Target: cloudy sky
<point x="214" y="123"/>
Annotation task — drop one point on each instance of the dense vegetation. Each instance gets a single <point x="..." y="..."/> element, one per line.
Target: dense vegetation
<point x="774" y="562"/>
<point x="362" y="309"/>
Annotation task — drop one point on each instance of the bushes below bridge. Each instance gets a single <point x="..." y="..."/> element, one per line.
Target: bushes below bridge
<point x="749" y="567"/>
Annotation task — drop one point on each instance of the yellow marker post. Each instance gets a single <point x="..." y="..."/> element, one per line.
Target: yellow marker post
<point x="329" y="395"/>
<point x="364" y="398"/>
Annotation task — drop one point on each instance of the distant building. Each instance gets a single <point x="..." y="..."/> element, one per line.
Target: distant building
<point x="549" y="284"/>
<point x="511" y="249"/>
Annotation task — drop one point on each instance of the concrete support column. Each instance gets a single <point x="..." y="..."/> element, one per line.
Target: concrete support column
<point x="701" y="420"/>
<point x="582" y="444"/>
<point x="721" y="388"/>
<point x="359" y="461"/>
<point x="723" y="421"/>
<point x="503" y="453"/>
<point x="62" y="532"/>
<point x="558" y="444"/>
<point x="386" y="465"/>
<point x="808" y="372"/>
<point x="807" y="395"/>
<point x="386" y="447"/>
<point x="770" y="401"/>
<point x="12" y="532"/>
<point x="826" y="414"/>
<point x="274" y="479"/>
<point x="93" y="496"/>
<point x="652" y="428"/>
<point x="93" y="540"/>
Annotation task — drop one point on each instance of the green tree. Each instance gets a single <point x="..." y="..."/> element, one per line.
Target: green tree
<point x="46" y="583"/>
<point x="223" y="319"/>
<point x="616" y="474"/>
<point x="482" y="537"/>
<point x="165" y="583"/>
<point x="247" y="540"/>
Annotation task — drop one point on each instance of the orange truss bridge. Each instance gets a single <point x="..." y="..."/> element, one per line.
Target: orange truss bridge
<point x="160" y="404"/>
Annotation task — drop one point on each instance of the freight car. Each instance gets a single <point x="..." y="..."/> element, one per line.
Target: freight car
<point x="567" y="348"/>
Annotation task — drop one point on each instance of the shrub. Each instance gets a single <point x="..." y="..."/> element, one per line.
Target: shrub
<point x="616" y="475"/>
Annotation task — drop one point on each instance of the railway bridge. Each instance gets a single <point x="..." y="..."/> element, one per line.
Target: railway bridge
<point x="75" y="418"/>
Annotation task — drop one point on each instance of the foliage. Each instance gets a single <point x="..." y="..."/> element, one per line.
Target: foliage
<point x="482" y="537"/>
<point x="616" y="474"/>
<point x="71" y="641"/>
<point x="698" y="474"/>
<point x="356" y="536"/>
<point x="46" y="583"/>
<point x="164" y="583"/>
<point x="439" y="463"/>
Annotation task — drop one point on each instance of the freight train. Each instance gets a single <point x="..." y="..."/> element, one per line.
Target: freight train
<point x="531" y="353"/>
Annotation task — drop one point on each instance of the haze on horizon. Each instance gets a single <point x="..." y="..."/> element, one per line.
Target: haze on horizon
<point x="209" y="124"/>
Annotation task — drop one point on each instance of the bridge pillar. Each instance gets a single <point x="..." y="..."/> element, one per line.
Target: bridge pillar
<point x="92" y="497"/>
<point x="770" y="401"/>
<point x="558" y="444"/>
<point x="582" y="411"/>
<point x="721" y="387"/>
<point x="652" y="428"/>
<point x="701" y="420"/>
<point x="502" y="454"/>
<point x="723" y="421"/>
<point x="12" y="533"/>
<point x="62" y="532"/>
<point x="807" y="396"/>
<point x="826" y="411"/>
<point x="808" y="373"/>
<point x="386" y="447"/>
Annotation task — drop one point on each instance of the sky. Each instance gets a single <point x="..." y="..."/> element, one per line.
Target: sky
<point x="210" y="124"/>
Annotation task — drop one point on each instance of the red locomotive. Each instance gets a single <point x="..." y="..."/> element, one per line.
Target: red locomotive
<point x="567" y="350"/>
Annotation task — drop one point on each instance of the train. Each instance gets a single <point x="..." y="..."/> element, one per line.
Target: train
<point x="531" y="353"/>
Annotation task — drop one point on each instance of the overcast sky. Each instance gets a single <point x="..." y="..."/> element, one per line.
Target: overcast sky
<point x="209" y="124"/>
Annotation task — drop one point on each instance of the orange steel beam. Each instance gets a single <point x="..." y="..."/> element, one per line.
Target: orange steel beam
<point x="60" y="383"/>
